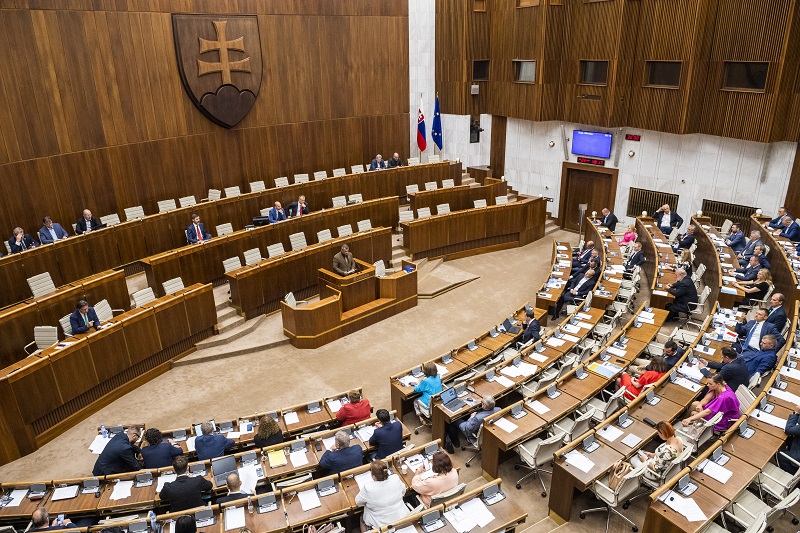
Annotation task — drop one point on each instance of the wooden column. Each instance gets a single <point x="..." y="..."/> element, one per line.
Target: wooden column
<point x="497" y="156"/>
<point x="792" y="200"/>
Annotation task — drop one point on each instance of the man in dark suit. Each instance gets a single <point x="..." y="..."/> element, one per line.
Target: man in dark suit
<point x="777" y="222"/>
<point x="83" y="318"/>
<point x="208" y="445"/>
<point x="235" y="491"/>
<point x="40" y="521"/>
<point x="764" y="359"/>
<point x="736" y="239"/>
<point x="185" y="492"/>
<point x="576" y="290"/>
<point x="751" y="333"/>
<point x="21" y="241"/>
<point x="298" y="208"/>
<point x="684" y="292"/>
<point x="87" y="223"/>
<point x="685" y="240"/>
<point x="609" y="220"/>
<point x="762" y="257"/>
<point x="776" y="315"/>
<point x="119" y="455"/>
<point x="51" y="231"/>
<point x="343" y="262"/>
<point x="750" y="247"/>
<point x="749" y="272"/>
<point x="395" y="161"/>
<point x="732" y="368"/>
<point x="790" y="229"/>
<point x="342" y="456"/>
<point x="667" y="220"/>
<point x="196" y="232"/>
<point x="378" y="163"/>
<point x="276" y="214"/>
<point x="157" y="453"/>
<point x="792" y="447"/>
<point x="637" y="258"/>
<point x="387" y="437"/>
<point x="582" y="257"/>
<point x="532" y="328"/>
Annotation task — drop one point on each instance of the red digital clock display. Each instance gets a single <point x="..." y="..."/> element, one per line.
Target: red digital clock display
<point x="629" y="137"/>
<point x="592" y="161"/>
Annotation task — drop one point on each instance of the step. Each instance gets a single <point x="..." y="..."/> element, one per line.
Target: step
<point x="230" y="334"/>
<point x="224" y="355"/>
<point x="226" y="312"/>
<point x="229" y="323"/>
<point x="397" y="253"/>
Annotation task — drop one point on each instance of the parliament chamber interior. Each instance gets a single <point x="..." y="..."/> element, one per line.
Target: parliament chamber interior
<point x="399" y="265"/>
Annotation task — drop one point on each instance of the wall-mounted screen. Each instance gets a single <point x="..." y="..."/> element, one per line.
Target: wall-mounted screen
<point x="591" y="143"/>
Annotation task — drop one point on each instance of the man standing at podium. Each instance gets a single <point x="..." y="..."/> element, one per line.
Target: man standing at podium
<point x="343" y="262"/>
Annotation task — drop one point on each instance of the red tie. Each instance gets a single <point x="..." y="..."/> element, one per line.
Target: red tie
<point x="199" y="235"/>
<point x="299" y="209"/>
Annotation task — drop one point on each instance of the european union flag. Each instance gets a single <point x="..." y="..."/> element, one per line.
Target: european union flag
<point x="436" y="129"/>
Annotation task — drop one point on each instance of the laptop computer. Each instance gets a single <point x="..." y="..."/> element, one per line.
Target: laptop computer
<point x="650" y="398"/>
<point x="267" y="503"/>
<point x="493" y="333"/>
<point x="204" y="518"/>
<point x="508" y="325"/>
<point x="490" y="375"/>
<point x="90" y="486"/>
<point x="221" y="467"/>
<point x="450" y="400"/>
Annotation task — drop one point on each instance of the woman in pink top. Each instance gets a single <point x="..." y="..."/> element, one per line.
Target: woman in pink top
<point x="722" y="399"/>
<point x="445" y="478"/>
<point x="628" y="236"/>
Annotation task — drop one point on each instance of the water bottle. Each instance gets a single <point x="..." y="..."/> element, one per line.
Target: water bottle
<point x="103" y="431"/>
<point x="720" y="332"/>
<point x="249" y="505"/>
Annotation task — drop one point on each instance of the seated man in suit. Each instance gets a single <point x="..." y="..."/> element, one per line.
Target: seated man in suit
<point x="749" y="272"/>
<point x="196" y="232"/>
<point x="582" y="257"/>
<point x="530" y="328"/>
<point x="51" y="231"/>
<point x="235" y="491"/>
<point x="686" y="240"/>
<point x="750" y="247"/>
<point x="732" y="368"/>
<point x="792" y="447"/>
<point x="21" y="241"/>
<point x="468" y="426"/>
<point x="378" y="163"/>
<point x="672" y="354"/>
<point x="83" y="318"/>
<point x="342" y="456"/>
<point x="298" y="208"/>
<point x="736" y="238"/>
<point x="157" y="453"/>
<point x="40" y="521"/>
<point x="608" y="220"/>
<point x="87" y="223"/>
<point x="763" y="359"/>
<point x="667" y="220"/>
<point x="208" y="445"/>
<point x="637" y="258"/>
<point x="276" y="214"/>
<point x="395" y="161"/>
<point x="343" y="262"/>
<point x="776" y="315"/>
<point x="777" y="222"/>
<point x="119" y="455"/>
<point x="790" y="229"/>
<point x="751" y="333"/>
<point x="387" y="437"/>
<point x="758" y="251"/>
<point x="575" y="291"/>
<point x="684" y="292"/>
<point x="185" y="492"/>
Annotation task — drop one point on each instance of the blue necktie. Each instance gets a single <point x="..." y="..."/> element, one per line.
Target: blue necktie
<point x="749" y="336"/>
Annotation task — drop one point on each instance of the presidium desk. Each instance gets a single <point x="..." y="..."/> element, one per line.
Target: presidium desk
<point x="348" y="304"/>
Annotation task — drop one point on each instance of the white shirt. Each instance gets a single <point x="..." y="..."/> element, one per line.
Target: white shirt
<point x="580" y="283"/>
<point x="755" y="338"/>
<point x="383" y="501"/>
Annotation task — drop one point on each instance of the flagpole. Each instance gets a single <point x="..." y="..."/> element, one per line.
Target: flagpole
<point x="418" y="148"/>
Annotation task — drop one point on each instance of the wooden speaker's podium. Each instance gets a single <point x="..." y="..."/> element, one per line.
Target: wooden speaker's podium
<point x="348" y="304"/>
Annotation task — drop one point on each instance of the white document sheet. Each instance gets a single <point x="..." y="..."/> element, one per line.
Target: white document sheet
<point x="536" y="356"/>
<point x="712" y="469"/>
<point x="291" y="418"/>
<point x="579" y="461"/>
<point x="441" y="369"/>
<point x="460" y="520"/>
<point x="362" y="479"/>
<point x="334" y="405"/>
<point x="610" y="433"/>
<point x="122" y="490"/>
<point x="17" y="495"/>
<point x="190" y="443"/>
<point x="569" y="328"/>
<point x="309" y="499"/>
<point x="506" y="425"/>
<point x="234" y="518"/>
<point x="504" y="381"/>
<point x="570" y="338"/>
<point x="163" y="479"/>
<point x="538" y="406"/>
<point x="329" y="443"/>
<point x="478" y="511"/>
<point x="769" y="418"/>
<point x="510" y="371"/>
<point x="527" y="369"/>
<point x="631" y="440"/>
<point x="408" y="381"/>
<point x="555" y="343"/>
<point x="298" y="458"/>
<point x="684" y="506"/>
<point x="65" y="493"/>
<point x="98" y="444"/>
<point x="365" y="433"/>
<point x="688" y="384"/>
<point x="249" y="476"/>
<point x="790" y="372"/>
<point x="785" y="395"/>
<point x="584" y="325"/>
<point x="616" y="351"/>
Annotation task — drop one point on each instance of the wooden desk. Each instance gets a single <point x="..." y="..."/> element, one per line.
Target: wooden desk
<point x="332" y="505"/>
<point x="638" y="428"/>
<point x="588" y="387"/>
<point x="140" y="498"/>
<point x="459" y="198"/>
<point x="662" y="518"/>
<point x="26" y="506"/>
<point x="558" y="407"/>
<point x="269" y="522"/>
<point x="497" y="441"/>
<point x="743" y="474"/>
<point x="508" y="515"/>
<point x="81" y="504"/>
<point x="757" y="450"/>
<point x="663" y="410"/>
<point x="566" y="478"/>
<point x="279" y="472"/>
<point x="356" y="289"/>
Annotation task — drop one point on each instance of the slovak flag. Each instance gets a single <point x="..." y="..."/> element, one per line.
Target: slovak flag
<point x="422" y="143"/>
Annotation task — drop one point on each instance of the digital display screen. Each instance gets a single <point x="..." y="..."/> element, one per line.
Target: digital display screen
<point x="591" y="143"/>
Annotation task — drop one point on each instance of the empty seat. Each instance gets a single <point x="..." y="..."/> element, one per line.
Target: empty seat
<point x="480" y="203"/>
<point x="110" y="220"/>
<point x="252" y="256"/>
<point x="406" y="216"/>
<point x="234" y="263"/>
<point x="143" y="297"/>
<point x="167" y="205"/>
<point x="339" y="201"/>
<point x="301" y="178"/>
<point x="339" y="172"/>
<point x="283" y="181"/>
<point x="214" y="194"/>
<point x="265" y="212"/>
<point x="66" y="327"/>
<point x="345" y="230"/>
<point x="74" y="230"/>
<point x="448" y="184"/>
<point x="291" y="301"/>
<point x="423" y="212"/>
<point x="324" y="235"/>
<point x="433" y="159"/>
<point x="412" y="161"/>
<point x="441" y="209"/>
<point x="8" y="248"/>
<point x="104" y="311"/>
<point x="356" y="198"/>
<point x="430" y="186"/>
<point x="298" y="241"/>
<point x="257" y="186"/>
<point x="173" y="285"/>
<point x="357" y="169"/>
<point x="41" y="284"/>
<point x="187" y="201"/>
<point x="43" y="337"/>
<point x="224" y="229"/>
<point x="501" y="200"/>
<point x="320" y="175"/>
<point x="274" y="250"/>
<point x="232" y="191"/>
<point x="132" y="213"/>
<point x="364" y="225"/>
<point x="413" y="188"/>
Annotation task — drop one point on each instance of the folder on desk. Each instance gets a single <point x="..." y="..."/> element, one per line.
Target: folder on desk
<point x="276" y="458"/>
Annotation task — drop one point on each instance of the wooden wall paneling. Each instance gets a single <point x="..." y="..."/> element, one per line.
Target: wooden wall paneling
<point x="782" y="117"/>
<point x="141" y="335"/>
<point x="109" y="352"/>
<point x="171" y="321"/>
<point x="498" y="146"/>
<point x="55" y="305"/>
<point x="200" y="308"/>
<point x="792" y="199"/>
<point x="109" y="285"/>
<point x="35" y="390"/>
<point x="626" y="43"/>
<point x="75" y="369"/>
<point x="556" y="36"/>
<point x="17" y="324"/>
<point x="14" y="442"/>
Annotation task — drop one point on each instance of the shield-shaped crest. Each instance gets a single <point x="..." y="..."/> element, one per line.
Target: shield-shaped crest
<point x="219" y="59"/>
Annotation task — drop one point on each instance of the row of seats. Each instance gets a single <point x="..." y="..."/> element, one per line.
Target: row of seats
<point x="430" y="186"/>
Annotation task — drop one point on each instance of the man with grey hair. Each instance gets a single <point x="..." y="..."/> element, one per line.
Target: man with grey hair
<point x="469" y="426"/>
<point x="208" y="445"/>
<point x="750" y="248"/>
<point x="341" y="456"/>
<point x="686" y="240"/>
<point x="119" y="455"/>
<point x="21" y="241"/>
<point x="378" y="163"/>
<point x="684" y="292"/>
<point x="343" y="262"/>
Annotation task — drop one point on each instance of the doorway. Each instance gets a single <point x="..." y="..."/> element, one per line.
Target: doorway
<point x="585" y="184"/>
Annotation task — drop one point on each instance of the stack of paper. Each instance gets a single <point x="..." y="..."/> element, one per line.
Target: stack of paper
<point x="334" y="405"/>
<point x="504" y="381"/>
<point x="234" y="518"/>
<point x="408" y="381"/>
<point x="570" y="338"/>
<point x="569" y="328"/>
<point x="65" y="493"/>
<point x="505" y="425"/>
<point x="536" y="356"/>
<point x="190" y="443"/>
<point x="538" y="406"/>
<point x="610" y="433"/>
<point x="276" y="458"/>
<point x="98" y="444"/>
<point x="555" y="343"/>
<point x="579" y="461"/>
<point x="526" y="369"/>
<point x="122" y="490"/>
<point x="17" y="495"/>
<point x="687" y="384"/>
<point x="478" y="511"/>
<point x="510" y="371"/>
<point x="616" y="351"/>
<point x="684" y="506"/>
<point x="713" y="470"/>
<point x="584" y="325"/>
<point x="249" y="476"/>
<point x="770" y="419"/>
<point x="291" y="418"/>
<point x="441" y="369"/>
<point x="365" y="433"/>
<point x="298" y="458"/>
<point x="309" y="499"/>
<point x="163" y="479"/>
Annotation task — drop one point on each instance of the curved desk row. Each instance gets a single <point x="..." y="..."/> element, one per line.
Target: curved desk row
<point x="783" y="273"/>
<point x="459" y="198"/>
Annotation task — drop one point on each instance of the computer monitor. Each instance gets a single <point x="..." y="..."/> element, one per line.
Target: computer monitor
<point x="223" y="465"/>
<point x="260" y="221"/>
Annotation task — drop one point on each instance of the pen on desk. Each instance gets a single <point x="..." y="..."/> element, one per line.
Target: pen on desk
<point x="292" y="498"/>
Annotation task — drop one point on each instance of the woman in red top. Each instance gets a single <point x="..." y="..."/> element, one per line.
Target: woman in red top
<point x="634" y="386"/>
<point x="356" y="410"/>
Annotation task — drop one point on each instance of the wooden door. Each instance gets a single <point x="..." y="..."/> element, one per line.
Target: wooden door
<point x="583" y="184"/>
